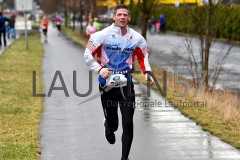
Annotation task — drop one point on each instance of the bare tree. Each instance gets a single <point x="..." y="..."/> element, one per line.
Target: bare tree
<point x="93" y="8"/>
<point x="65" y="4"/>
<point x="49" y="6"/>
<point x="146" y="7"/>
<point x="81" y="12"/>
<point x="206" y="24"/>
<point x="73" y="8"/>
<point x="70" y="7"/>
<point x="122" y="1"/>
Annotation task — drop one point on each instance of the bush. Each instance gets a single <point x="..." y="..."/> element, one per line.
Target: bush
<point x="225" y="20"/>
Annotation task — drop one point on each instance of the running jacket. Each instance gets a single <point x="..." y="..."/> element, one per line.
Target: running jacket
<point x="112" y="50"/>
<point x="44" y="24"/>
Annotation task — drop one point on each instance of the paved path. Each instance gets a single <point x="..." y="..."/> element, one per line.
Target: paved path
<point x="75" y="132"/>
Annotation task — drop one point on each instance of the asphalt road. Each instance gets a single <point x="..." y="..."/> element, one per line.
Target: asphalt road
<point x="75" y="132"/>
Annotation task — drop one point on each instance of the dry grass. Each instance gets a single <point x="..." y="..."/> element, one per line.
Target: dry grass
<point x="223" y="103"/>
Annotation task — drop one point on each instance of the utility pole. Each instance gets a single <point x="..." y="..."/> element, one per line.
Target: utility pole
<point x="24" y="6"/>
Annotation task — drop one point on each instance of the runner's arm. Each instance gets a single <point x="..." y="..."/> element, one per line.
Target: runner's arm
<point x="93" y="46"/>
<point x="142" y="57"/>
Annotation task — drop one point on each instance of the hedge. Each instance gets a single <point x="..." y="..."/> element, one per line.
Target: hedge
<point x="225" y="20"/>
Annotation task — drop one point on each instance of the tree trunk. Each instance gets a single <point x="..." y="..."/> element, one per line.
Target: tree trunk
<point x="93" y="8"/>
<point x="208" y="41"/>
<point x="65" y="13"/>
<point x="206" y="66"/>
<point x="146" y="10"/>
<point x="144" y="25"/>
<point x="87" y="11"/>
<point x="81" y="16"/>
<point x="74" y="10"/>
<point x="122" y="1"/>
<point x="73" y="21"/>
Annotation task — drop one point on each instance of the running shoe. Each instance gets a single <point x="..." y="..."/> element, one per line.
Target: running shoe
<point x="110" y="136"/>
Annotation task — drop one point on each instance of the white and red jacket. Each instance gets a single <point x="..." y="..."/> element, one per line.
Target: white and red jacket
<point x="116" y="51"/>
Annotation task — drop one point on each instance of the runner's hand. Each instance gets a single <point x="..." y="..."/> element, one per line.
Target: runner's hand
<point x="150" y="79"/>
<point x="104" y="72"/>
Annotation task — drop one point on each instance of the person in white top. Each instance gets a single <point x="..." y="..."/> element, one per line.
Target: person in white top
<point x="90" y="29"/>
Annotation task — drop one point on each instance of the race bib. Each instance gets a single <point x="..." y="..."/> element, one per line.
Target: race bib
<point x="116" y="80"/>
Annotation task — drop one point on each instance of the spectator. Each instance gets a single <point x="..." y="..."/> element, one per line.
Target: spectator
<point x="162" y="23"/>
<point x="3" y="20"/>
<point x="11" y="27"/>
<point x="158" y="25"/>
<point x="151" y="25"/>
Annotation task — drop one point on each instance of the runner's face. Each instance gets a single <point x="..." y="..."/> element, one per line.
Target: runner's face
<point x="121" y="17"/>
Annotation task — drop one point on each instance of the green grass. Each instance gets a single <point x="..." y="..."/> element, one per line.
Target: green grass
<point x="20" y="112"/>
<point x="75" y="35"/>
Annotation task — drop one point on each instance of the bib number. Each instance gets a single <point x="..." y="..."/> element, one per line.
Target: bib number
<point x="116" y="81"/>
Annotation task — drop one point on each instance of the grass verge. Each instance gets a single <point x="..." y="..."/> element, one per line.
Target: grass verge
<point x="217" y="112"/>
<point x="75" y="35"/>
<point x="20" y="112"/>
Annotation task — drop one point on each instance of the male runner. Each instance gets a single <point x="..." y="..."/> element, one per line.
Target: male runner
<point x="115" y="47"/>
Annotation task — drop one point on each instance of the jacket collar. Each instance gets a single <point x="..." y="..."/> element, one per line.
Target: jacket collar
<point x="117" y="29"/>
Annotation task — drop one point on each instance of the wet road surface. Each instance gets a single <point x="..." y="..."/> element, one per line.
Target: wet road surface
<point x="75" y="132"/>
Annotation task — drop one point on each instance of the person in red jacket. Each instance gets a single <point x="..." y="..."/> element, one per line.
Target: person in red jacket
<point x="44" y="27"/>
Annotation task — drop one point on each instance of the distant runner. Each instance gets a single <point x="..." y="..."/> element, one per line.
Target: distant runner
<point x="58" y="22"/>
<point x="44" y="27"/>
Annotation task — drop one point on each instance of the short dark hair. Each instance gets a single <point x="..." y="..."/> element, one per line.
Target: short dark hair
<point x="120" y="6"/>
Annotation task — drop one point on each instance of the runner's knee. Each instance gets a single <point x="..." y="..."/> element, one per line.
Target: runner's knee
<point x="128" y="126"/>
